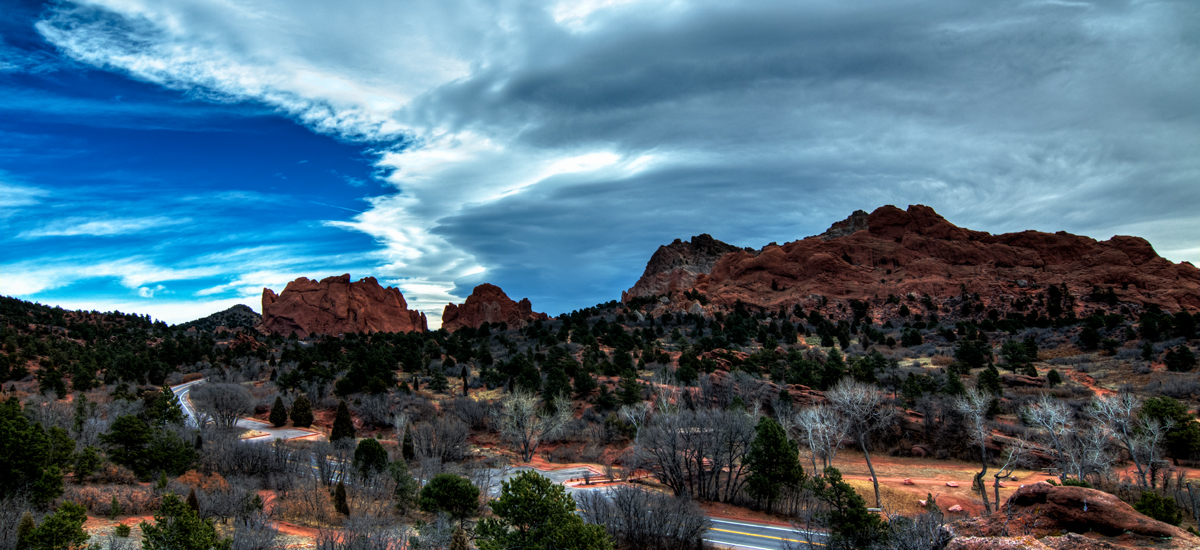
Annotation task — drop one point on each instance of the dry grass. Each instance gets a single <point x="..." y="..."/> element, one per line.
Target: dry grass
<point x="892" y="499"/>
<point x="941" y="360"/>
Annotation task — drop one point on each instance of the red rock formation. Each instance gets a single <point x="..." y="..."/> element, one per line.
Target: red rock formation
<point x="675" y="266"/>
<point x="488" y="304"/>
<point x="337" y="306"/>
<point x="1041" y="509"/>
<point x="898" y="252"/>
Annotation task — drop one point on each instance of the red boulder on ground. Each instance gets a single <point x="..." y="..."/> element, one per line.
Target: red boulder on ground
<point x="335" y="305"/>
<point x="488" y="304"/>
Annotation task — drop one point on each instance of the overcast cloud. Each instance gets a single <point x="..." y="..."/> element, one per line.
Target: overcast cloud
<point x="550" y="147"/>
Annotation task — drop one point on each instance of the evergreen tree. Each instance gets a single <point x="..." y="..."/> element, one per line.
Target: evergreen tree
<point x="557" y="384"/>
<point x="370" y="457"/>
<point x="584" y="384"/>
<point x="438" y="382"/>
<point x="605" y="399"/>
<point x="302" y="415"/>
<point x="989" y="380"/>
<point x="178" y="527"/>
<point x="407" y="488"/>
<point x="25" y="457"/>
<point x="631" y="391"/>
<point x="535" y="513"/>
<point x="60" y="530"/>
<point x="407" y="450"/>
<point x="343" y="427"/>
<point x="25" y="530"/>
<point x="192" y="501"/>
<point x="851" y="525"/>
<point x="772" y="462"/>
<point x="279" y="414"/>
<point x="1053" y="378"/>
<point x="339" y="499"/>
<point x="452" y="494"/>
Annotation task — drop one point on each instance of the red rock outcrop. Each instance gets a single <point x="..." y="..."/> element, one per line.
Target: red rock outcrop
<point x="337" y="306"/>
<point x="488" y="304"/>
<point x="674" y="267"/>
<point x="918" y="252"/>
<point x="1041" y="509"/>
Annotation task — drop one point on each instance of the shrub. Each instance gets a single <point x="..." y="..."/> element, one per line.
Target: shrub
<point x="122" y="530"/>
<point x="1160" y="508"/>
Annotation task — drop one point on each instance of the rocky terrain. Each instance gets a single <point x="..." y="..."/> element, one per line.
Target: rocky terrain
<point x="1042" y="510"/>
<point x="335" y="305"/>
<point x="674" y="267"/>
<point x="916" y="251"/>
<point x="488" y="304"/>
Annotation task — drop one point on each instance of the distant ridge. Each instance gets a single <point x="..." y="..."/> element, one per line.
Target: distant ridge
<point x="239" y="316"/>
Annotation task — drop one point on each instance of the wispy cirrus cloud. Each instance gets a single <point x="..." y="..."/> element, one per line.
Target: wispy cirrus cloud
<point x="111" y="227"/>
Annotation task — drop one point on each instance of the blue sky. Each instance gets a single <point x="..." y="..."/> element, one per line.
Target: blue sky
<point x="174" y="157"/>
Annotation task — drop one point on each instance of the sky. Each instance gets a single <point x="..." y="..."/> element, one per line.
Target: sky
<point x="175" y="157"/>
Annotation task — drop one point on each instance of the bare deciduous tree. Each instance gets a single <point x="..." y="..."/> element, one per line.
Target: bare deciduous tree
<point x="444" y="438"/>
<point x="223" y="402"/>
<point x="698" y="453"/>
<point x="863" y="407"/>
<point x="1054" y="421"/>
<point x="1140" y="437"/>
<point x="638" y="519"/>
<point x="822" y="430"/>
<point x="521" y="421"/>
<point x="1016" y="455"/>
<point x="974" y="406"/>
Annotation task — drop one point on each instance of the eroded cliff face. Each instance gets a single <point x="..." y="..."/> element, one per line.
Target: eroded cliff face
<point x="335" y="305"/>
<point x="674" y="267"/>
<point x="898" y="252"/>
<point x="488" y="304"/>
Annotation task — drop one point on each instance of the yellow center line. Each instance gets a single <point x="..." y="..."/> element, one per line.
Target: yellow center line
<point x="761" y="536"/>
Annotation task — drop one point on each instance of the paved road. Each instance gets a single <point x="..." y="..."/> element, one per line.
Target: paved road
<point x="724" y="533"/>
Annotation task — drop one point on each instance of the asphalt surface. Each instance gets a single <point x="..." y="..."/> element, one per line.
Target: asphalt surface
<point x="723" y="533"/>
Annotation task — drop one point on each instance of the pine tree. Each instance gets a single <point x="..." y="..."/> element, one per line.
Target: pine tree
<point x="339" y="500"/>
<point x="279" y="414"/>
<point x="302" y="415"/>
<point x="772" y="462"/>
<point x="439" y="383"/>
<point x="989" y="380"/>
<point x="343" y="427"/>
<point x="631" y="391"/>
<point x="1053" y="378"/>
<point x="407" y="449"/>
<point x="192" y="501"/>
<point x="584" y="384"/>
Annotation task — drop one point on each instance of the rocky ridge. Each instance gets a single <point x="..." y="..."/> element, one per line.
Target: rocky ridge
<point x="674" y="267"/>
<point x="335" y="305"/>
<point x="488" y="304"/>
<point x="918" y="252"/>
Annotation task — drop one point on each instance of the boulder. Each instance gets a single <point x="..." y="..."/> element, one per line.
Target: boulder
<point x="908" y="481"/>
<point x="955" y="508"/>
<point x="335" y="305"/>
<point x="1042" y="509"/>
<point x="488" y="304"/>
<point x="1022" y="381"/>
<point x="952" y="484"/>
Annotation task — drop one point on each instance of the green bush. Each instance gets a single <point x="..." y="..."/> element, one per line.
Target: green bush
<point x="1160" y="508"/>
<point x="122" y="530"/>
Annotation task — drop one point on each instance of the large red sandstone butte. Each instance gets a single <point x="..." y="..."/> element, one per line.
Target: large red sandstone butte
<point x="897" y="252"/>
<point x="488" y="304"/>
<point x="337" y="306"/>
